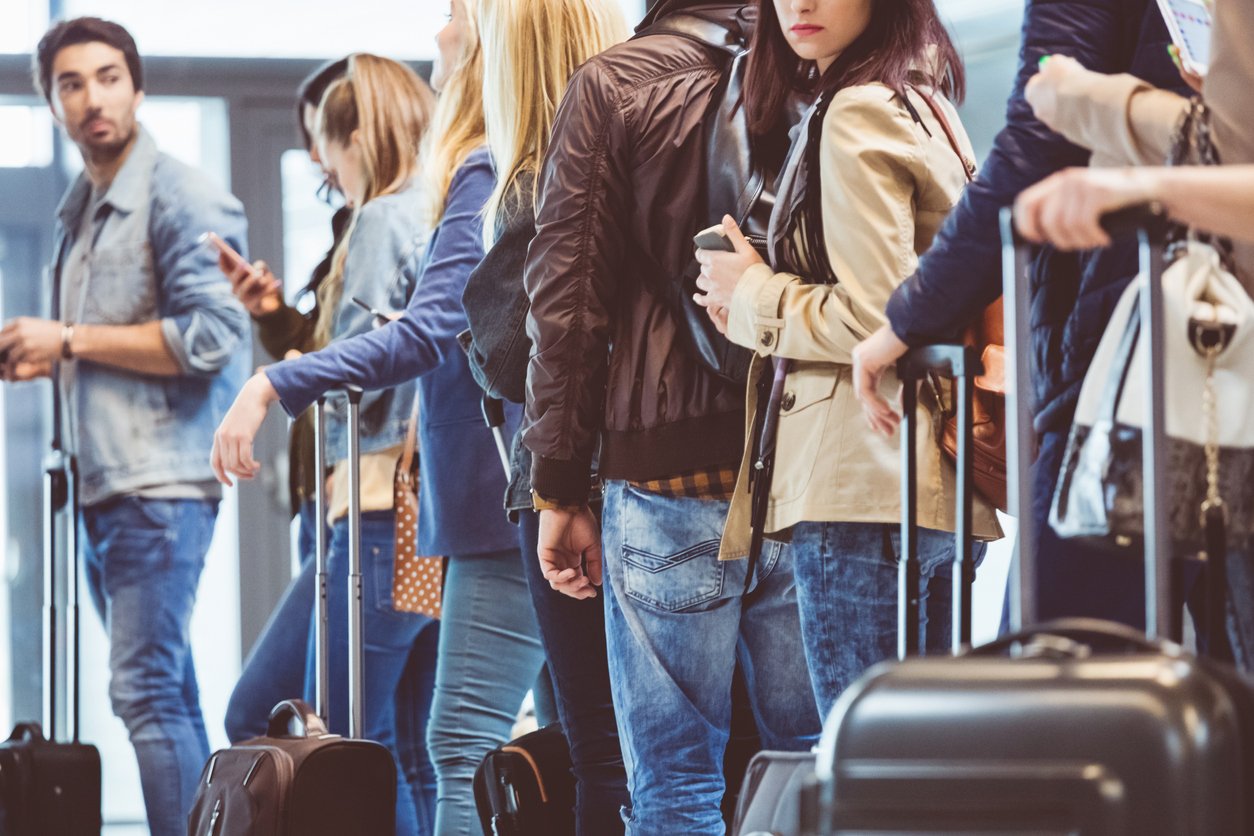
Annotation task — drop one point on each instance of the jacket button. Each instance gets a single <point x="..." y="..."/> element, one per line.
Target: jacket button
<point x="788" y="401"/>
<point x="768" y="338"/>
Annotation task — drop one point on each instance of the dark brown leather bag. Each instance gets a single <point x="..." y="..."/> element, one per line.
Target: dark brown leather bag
<point x="989" y="408"/>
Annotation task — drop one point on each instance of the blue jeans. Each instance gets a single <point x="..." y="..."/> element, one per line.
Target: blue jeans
<point x="676" y="622"/>
<point x="399" y="665"/>
<point x="847" y="586"/>
<point x="573" y="633"/>
<point x="275" y="669"/>
<point x="490" y="654"/>
<point x="143" y="559"/>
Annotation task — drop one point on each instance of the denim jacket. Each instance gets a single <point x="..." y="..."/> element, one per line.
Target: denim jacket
<point x="385" y="253"/>
<point x="460" y="471"/>
<point x="128" y="430"/>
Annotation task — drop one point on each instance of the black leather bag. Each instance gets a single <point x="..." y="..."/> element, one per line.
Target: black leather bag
<point x="46" y="787"/>
<point x="740" y="173"/>
<point x="526" y="786"/>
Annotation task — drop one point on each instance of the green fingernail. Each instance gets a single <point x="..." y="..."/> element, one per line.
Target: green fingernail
<point x="1040" y="65"/>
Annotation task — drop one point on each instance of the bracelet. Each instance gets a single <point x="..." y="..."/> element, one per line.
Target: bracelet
<point x="67" y="336"/>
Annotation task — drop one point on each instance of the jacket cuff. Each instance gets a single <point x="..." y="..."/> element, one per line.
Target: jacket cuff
<point x="563" y="482"/>
<point x="753" y="319"/>
<point x="900" y="315"/>
<point x="172" y="332"/>
<point x="1093" y="112"/>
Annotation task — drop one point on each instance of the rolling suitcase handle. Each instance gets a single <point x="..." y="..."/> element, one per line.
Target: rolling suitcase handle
<point x="1162" y="620"/>
<point x="962" y="363"/>
<point x="61" y="498"/>
<point x="355" y="619"/>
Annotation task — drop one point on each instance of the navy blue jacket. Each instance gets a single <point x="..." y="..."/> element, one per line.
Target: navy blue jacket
<point x="1072" y="295"/>
<point x="462" y="479"/>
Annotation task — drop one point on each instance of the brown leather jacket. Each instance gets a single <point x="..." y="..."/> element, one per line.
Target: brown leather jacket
<point x="620" y="199"/>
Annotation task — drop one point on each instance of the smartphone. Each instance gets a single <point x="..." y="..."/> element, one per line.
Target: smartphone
<point x="380" y="318"/>
<point x="212" y="239"/>
<point x="714" y="238"/>
<point x="1189" y="23"/>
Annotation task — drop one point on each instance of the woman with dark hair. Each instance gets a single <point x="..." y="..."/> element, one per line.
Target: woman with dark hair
<point x="877" y="163"/>
<point x="275" y="668"/>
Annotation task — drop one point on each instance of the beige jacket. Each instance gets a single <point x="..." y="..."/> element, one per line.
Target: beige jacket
<point x="1127" y="122"/>
<point x="886" y="188"/>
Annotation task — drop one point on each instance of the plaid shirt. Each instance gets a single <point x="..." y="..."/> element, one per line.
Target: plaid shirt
<point x="706" y="483"/>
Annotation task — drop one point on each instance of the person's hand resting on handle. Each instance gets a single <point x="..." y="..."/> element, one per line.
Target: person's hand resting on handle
<point x="570" y="551"/>
<point x="721" y="272"/>
<point x="1066" y="208"/>
<point x="232" y="453"/>
<point x="258" y="290"/>
<point x="871" y="358"/>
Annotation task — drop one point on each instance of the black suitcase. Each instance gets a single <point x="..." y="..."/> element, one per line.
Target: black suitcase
<point x="51" y="788"/>
<point x="300" y="780"/>
<point x="526" y="787"/>
<point x="1074" y="726"/>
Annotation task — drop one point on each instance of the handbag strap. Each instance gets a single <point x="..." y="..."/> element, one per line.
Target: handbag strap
<point x="1112" y="394"/>
<point x="411" y="440"/>
<point x="1192" y="141"/>
<point x="968" y="166"/>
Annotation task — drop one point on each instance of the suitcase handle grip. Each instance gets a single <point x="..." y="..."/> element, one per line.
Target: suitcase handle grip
<point x="1125" y="222"/>
<point x="1086" y="633"/>
<point x="945" y="359"/>
<point x="295" y="718"/>
<point x="23" y="732"/>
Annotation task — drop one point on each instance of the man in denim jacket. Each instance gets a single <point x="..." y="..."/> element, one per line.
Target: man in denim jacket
<point x="149" y="348"/>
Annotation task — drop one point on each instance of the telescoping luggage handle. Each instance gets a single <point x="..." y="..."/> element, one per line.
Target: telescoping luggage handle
<point x="60" y="507"/>
<point x="355" y="622"/>
<point x="962" y="363"/>
<point x="1149" y="224"/>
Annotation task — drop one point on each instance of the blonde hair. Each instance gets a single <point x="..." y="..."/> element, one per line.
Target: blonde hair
<point x="457" y="127"/>
<point x="389" y="108"/>
<point x="533" y="49"/>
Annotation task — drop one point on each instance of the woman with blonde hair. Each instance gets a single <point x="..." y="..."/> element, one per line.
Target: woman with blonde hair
<point x="489" y="650"/>
<point x="368" y="128"/>
<point x="536" y="46"/>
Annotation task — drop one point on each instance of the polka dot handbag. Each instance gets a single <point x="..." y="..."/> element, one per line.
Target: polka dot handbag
<point x="417" y="580"/>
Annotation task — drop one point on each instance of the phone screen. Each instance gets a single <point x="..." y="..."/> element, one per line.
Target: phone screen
<point x="1190" y="25"/>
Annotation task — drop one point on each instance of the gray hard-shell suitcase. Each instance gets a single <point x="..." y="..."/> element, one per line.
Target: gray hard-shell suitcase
<point x="1081" y="727"/>
<point x="299" y="779"/>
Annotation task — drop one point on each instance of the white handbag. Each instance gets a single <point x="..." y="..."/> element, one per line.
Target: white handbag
<point x="1208" y="350"/>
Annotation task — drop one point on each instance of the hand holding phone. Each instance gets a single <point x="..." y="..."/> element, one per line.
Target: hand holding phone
<point x="1190" y="25"/>
<point x="253" y="284"/>
<point x="237" y="261"/>
<point x="714" y="238"/>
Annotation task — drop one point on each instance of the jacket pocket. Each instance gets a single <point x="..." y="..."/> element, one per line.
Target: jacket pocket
<point x="122" y="287"/>
<point x="805" y="413"/>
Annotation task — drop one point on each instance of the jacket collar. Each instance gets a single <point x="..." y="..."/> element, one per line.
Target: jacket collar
<point x="662" y="8"/>
<point x="128" y="191"/>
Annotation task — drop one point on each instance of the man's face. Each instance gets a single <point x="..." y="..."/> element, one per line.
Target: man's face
<point x="94" y="98"/>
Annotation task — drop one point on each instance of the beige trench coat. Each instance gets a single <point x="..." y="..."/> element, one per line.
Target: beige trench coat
<point x="886" y="188"/>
